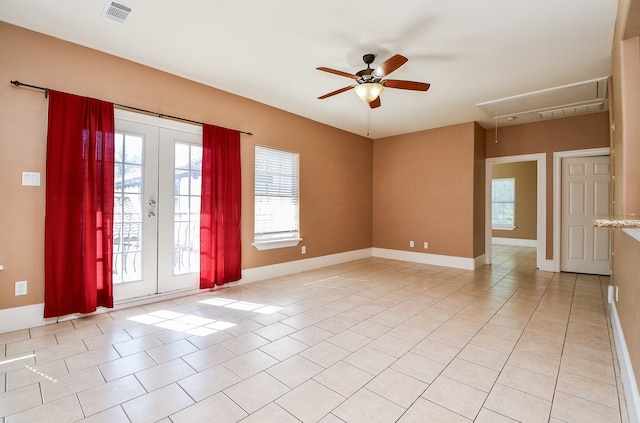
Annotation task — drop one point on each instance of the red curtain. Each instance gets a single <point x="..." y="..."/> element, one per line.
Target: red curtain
<point x="220" y="207"/>
<point x="79" y="205"/>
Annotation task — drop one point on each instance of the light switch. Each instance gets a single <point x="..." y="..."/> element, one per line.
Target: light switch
<point x="31" y="179"/>
<point x="21" y="288"/>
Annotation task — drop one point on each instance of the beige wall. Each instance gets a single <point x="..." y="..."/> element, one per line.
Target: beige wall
<point x="626" y="157"/>
<point x="424" y="190"/>
<point x="525" y="174"/>
<point x="336" y="166"/>
<point x="574" y="133"/>
<point x="625" y="276"/>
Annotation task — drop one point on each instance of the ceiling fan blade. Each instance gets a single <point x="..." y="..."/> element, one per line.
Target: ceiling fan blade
<point x="341" y="90"/>
<point x="406" y="85"/>
<point x="337" y="72"/>
<point x="389" y="65"/>
<point x="375" y="103"/>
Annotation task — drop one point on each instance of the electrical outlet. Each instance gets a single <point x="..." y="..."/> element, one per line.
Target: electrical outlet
<point x="411" y="244"/>
<point x="426" y="245"/>
<point x="21" y="288"/>
<point x="610" y="289"/>
<point x="304" y="249"/>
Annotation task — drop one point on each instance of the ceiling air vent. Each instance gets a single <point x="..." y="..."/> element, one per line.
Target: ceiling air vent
<point x="117" y="11"/>
<point x="572" y="111"/>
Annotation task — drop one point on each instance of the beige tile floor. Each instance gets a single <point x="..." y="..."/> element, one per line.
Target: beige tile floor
<point x="373" y="340"/>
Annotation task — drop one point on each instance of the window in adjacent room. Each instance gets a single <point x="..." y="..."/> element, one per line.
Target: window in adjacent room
<point x="276" y="222"/>
<point x="503" y="203"/>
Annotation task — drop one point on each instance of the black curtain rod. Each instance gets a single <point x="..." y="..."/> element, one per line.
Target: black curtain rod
<point x="123" y="106"/>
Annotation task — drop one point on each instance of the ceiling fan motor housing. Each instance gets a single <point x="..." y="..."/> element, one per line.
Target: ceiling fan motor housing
<point x="366" y="75"/>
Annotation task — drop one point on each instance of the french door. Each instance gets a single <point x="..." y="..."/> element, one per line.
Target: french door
<point x="156" y="241"/>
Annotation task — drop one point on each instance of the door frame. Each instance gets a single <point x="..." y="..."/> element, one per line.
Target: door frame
<point x="541" y="200"/>
<point x="557" y="192"/>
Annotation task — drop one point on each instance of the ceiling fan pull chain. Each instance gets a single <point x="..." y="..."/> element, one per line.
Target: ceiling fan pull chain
<point x="368" y="121"/>
<point x="496" y="118"/>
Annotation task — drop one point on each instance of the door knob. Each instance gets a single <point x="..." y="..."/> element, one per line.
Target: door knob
<point x="151" y="215"/>
<point x="152" y="203"/>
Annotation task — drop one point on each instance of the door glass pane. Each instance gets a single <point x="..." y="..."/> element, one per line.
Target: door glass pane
<point x="127" y="208"/>
<point x="181" y="182"/>
<point x="187" y="186"/>
<point x="182" y="156"/>
<point x="196" y="159"/>
<point x="133" y="149"/>
<point x="132" y="177"/>
<point x="118" y="140"/>
<point x="196" y="183"/>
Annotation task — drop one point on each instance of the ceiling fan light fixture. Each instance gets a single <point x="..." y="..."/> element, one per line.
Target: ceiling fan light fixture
<point x="368" y="91"/>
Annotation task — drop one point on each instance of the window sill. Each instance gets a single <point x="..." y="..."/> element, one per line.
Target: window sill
<point x="281" y="243"/>
<point x="503" y="228"/>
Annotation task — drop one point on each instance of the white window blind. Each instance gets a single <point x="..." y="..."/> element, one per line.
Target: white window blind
<point x="503" y="203"/>
<point x="276" y="195"/>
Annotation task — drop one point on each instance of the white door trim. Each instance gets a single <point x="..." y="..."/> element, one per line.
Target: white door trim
<point x="541" y="221"/>
<point x="557" y="192"/>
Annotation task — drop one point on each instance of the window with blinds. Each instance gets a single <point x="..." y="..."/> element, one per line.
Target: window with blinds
<point x="503" y="203"/>
<point x="276" y="197"/>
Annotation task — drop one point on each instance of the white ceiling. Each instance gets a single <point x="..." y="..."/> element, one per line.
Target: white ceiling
<point x="267" y="50"/>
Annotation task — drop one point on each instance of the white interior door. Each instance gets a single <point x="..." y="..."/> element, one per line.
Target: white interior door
<point x="586" y="191"/>
<point x="157" y="206"/>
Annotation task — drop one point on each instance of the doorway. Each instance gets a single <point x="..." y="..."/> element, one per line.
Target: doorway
<point x="156" y="206"/>
<point x="541" y="204"/>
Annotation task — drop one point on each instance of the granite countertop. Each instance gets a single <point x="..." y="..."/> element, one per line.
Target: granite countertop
<point x="624" y="222"/>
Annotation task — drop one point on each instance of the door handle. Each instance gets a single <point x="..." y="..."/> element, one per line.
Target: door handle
<point x="151" y="215"/>
<point x="152" y="203"/>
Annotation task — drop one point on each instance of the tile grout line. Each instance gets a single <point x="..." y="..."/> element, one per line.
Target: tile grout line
<point x="515" y="345"/>
<point x="469" y="342"/>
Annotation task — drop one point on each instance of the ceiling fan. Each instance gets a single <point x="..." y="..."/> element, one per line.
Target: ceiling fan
<point x="370" y="83"/>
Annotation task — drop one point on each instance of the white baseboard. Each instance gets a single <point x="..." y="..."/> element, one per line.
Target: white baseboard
<point x="297" y="266"/>
<point x="425" y="258"/>
<point x="480" y="261"/>
<point x="518" y="242"/>
<point x="24" y="317"/>
<point x="626" y="369"/>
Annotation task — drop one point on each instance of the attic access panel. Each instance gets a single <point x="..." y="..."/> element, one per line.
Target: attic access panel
<point x="582" y="97"/>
